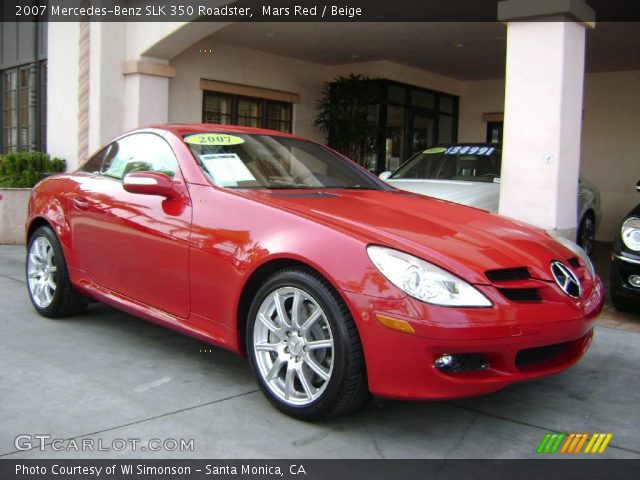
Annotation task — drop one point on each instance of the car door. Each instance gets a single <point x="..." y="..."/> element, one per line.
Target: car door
<point x="134" y="244"/>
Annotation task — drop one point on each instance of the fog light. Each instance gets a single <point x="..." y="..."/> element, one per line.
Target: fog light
<point x="634" y="280"/>
<point x="461" y="362"/>
<point x="445" y="362"/>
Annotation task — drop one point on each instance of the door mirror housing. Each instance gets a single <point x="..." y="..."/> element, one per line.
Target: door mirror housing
<point x="150" y="183"/>
<point x="385" y="175"/>
<point x="638" y="186"/>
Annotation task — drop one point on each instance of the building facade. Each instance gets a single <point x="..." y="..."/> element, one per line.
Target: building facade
<point x="522" y="82"/>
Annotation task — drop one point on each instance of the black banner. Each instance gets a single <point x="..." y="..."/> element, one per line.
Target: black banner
<point x="319" y="469"/>
<point x="282" y="10"/>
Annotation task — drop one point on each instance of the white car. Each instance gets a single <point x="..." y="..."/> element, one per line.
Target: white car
<point x="470" y="174"/>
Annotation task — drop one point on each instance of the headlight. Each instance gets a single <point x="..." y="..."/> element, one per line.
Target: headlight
<point x="425" y="281"/>
<point x="630" y="232"/>
<point x="577" y="250"/>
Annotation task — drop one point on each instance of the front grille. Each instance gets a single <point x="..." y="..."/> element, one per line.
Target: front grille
<point x="470" y="362"/>
<point x="573" y="261"/>
<point x="508" y="274"/>
<point x="521" y="294"/>
<point x="531" y="356"/>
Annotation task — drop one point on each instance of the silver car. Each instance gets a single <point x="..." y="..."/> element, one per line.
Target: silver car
<point x="470" y="174"/>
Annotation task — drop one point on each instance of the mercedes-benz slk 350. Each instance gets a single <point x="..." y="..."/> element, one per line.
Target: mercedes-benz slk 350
<point x="332" y="282"/>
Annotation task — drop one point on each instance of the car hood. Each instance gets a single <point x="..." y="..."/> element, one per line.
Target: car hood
<point x="464" y="240"/>
<point x="476" y="194"/>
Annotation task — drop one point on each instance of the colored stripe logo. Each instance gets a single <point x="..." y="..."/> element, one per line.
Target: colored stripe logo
<point x="554" y="442"/>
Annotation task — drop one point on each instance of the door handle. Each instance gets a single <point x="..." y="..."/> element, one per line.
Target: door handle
<point x="81" y="203"/>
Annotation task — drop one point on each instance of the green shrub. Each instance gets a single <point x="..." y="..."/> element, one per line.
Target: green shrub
<point x="25" y="169"/>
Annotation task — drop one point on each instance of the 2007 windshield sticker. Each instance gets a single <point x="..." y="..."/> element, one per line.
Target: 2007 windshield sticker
<point x="469" y="150"/>
<point x="213" y="139"/>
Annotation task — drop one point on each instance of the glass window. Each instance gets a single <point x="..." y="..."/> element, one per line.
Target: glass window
<point x="494" y="132"/>
<point x="396" y="94"/>
<point x="475" y="163"/>
<point x="446" y="104"/>
<point x="279" y="116"/>
<point x="216" y="108"/>
<point x="445" y="129"/>
<point x="249" y="112"/>
<point x="141" y="152"/>
<point x="227" y="109"/>
<point x="274" y="162"/>
<point x="21" y="116"/>
<point x="420" y="98"/>
<point x="10" y="111"/>
<point x="394" y="147"/>
<point x="422" y="132"/>
<point x="94" y="164"/>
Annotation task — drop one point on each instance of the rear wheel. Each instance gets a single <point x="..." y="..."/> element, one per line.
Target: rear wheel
<point x="48" y="281"/>
<point x="304" y="347"/>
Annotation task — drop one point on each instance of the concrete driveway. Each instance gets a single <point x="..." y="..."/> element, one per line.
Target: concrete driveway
<point x="107" y="376"/>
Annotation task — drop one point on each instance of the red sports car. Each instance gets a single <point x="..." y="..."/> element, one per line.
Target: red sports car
<point x="333" y="283"/>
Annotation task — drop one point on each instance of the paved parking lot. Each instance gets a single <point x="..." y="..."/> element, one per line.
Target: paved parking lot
<point x="106" y="375"/>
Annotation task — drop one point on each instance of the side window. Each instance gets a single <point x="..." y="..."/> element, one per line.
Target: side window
<point x="140" y="152"/>
<point x="94" y="164"/>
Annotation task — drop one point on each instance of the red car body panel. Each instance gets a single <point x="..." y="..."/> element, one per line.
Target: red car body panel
<point x="185" y="262"/>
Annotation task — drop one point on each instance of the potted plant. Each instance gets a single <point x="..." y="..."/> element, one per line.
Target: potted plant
<point x="19" y="172"/>
<point x="346" y="113"/>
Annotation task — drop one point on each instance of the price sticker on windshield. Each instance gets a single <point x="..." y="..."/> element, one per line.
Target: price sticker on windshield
<point x="213" y="139"/>
<point x="469" y="150"/>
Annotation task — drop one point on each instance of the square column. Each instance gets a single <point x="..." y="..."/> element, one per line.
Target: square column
<point x="543" y="116"/>
<point x="146" y="93"/>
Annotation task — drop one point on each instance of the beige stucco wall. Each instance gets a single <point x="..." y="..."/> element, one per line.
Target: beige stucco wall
<point x="610" y="136"/>
<point x="244" y="66"/>
<point x="401" y="73"/>
<point x="230" y="63"/>
<point x="13" y="214"/>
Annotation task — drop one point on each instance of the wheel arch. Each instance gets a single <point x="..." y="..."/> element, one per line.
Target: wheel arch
<point x="255" y="281"/>
<point x="36" y="223"/>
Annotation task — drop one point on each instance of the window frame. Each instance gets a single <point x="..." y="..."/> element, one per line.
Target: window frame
<point x="264" y="104"/>
<point x="105" y="149"/>
<point x="36" y="100"/>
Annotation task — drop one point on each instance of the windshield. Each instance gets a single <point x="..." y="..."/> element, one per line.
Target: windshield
<point x="265" y="161"/>
<point x="473" y="163"/>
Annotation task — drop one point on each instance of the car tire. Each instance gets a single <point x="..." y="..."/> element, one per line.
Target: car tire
<point x="623" y="304"/>
<point x="50" y="289"/>
<point x="296" y="373"/>
<point x="587" y="233"/>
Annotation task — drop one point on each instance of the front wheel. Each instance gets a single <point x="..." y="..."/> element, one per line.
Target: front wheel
<point x="50" y="289"/>
<point x="621" y="303"/>
<point x="304" y="347"/>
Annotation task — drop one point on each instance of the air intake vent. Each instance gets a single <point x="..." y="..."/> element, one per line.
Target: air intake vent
<point x="521" y="294"/>
<point x="508" y="274"/>
<point x="531" y="356"/>
<point x="573" y="261"/>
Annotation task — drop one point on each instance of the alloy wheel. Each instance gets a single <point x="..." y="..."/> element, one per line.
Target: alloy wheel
<point x="294" y="346"/>
<point x="42" y="272"/>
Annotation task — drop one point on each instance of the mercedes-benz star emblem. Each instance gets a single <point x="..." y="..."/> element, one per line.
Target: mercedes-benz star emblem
<point x="566" y="279"/>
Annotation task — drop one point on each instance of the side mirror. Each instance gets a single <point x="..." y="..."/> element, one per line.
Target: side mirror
<point x="150" y="183"/>
<point x="638" y="186"/>
<point x="385" y="175"/>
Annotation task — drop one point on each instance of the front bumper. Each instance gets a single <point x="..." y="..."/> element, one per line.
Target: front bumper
<point x="622" y="267"/>
<point x="401" y="365"/>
